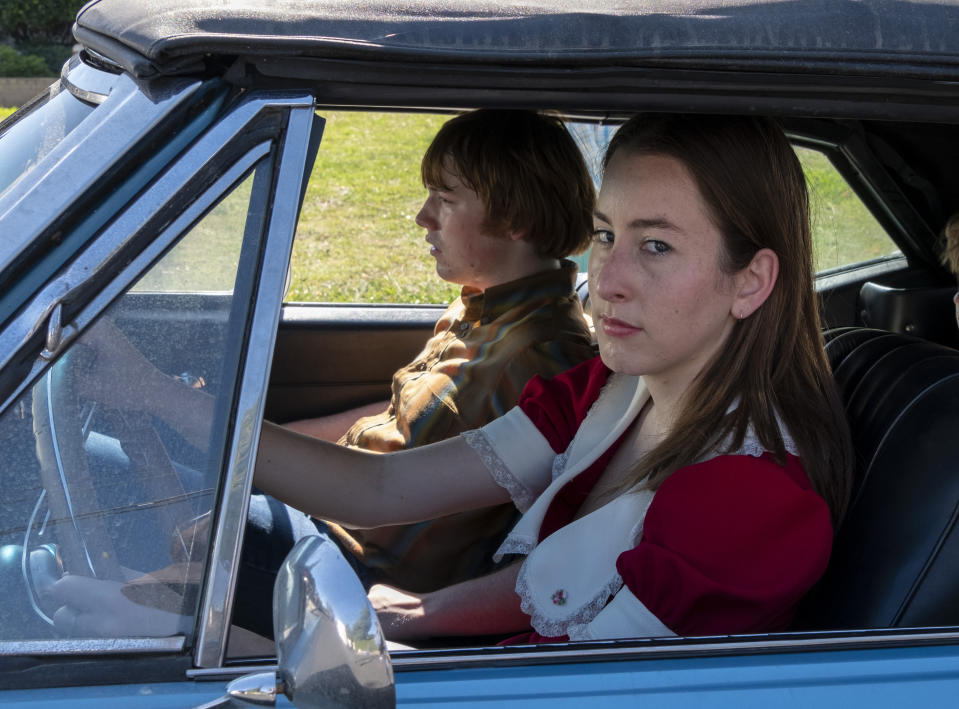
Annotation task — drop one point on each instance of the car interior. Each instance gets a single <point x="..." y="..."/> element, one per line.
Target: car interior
<point x="891" y="336"/>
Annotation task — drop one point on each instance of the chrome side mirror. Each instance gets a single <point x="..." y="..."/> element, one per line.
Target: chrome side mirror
<point x="329" y="645"/>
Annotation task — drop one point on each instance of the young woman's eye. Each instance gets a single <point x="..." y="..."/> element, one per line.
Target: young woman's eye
<point x="602" y="236"/>
<point x="655" y="246"/>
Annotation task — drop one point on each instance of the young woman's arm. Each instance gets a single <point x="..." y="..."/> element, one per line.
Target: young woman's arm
<point x="487" y="605"/>
<point x="360" y="489"/>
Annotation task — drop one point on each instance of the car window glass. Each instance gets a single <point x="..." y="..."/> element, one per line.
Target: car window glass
<point x="29" y="139"/>
<point x="97" y="483"/>
<point x="357" y="240"/>
<point x="844" y="231"/>
<point x="206" y="258"/>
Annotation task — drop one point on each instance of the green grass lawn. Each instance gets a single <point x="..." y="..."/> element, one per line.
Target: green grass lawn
<point x="844" y="231"/>
<point x="357" y="240"/>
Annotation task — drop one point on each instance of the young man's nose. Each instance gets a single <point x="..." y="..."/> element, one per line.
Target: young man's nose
<point x="425" y="218"/>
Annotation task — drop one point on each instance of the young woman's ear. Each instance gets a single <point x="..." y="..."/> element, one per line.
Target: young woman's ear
<point x="755" y="282"/>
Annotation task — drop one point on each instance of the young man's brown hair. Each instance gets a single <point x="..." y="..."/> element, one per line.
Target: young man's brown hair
<point x="528" y="171"/>
<point x="950" y="255"/>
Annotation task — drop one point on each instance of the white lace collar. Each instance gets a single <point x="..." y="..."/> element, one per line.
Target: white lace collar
<point x="567" y="579"/>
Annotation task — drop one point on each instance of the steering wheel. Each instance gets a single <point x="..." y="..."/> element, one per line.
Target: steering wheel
<point x="84" y="544"/>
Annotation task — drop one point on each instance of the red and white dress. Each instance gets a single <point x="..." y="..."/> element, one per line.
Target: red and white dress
<point x="727" y="545"/>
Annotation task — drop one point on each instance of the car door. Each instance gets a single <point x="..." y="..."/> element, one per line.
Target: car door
<point x="178" y="270"/>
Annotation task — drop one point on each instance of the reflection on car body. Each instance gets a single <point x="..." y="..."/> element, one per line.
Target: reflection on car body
<point x="196" y="133"/>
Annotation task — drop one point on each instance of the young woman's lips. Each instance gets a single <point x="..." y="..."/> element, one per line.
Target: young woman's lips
<point x="617" y="328"/>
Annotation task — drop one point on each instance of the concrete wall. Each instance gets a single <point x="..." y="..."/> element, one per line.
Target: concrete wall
<point x="16" y="91"/>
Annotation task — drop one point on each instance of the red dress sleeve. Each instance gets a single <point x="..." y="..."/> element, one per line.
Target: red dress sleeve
<point x="558" y="406"/>
<point x="730" y="546"/>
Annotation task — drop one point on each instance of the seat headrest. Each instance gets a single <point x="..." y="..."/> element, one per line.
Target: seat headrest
<point x="925" y="312"/>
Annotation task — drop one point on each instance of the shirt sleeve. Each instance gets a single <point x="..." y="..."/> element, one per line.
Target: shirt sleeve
<point x="519" y="447"/>
<point x="558" y="406"/>
<point x="729" y="546"/>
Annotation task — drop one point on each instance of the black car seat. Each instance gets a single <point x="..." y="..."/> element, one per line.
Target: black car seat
<point x="895" y="560"/>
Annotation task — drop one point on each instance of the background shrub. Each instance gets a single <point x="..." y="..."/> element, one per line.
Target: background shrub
<point x="12" y="63"/>
<point x="38" y="20"/>
<point x="52" y="54"/>
<point x="40" y="31"/>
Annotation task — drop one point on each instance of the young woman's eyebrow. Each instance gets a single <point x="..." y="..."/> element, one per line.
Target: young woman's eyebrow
<point x="655" y="223"/>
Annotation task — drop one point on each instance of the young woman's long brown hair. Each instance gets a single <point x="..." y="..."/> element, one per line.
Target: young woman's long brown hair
<point x="774" y="362"/>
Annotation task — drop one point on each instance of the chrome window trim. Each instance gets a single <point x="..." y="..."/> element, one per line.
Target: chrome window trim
<point x="92" y="646"/>
<point x="613" y="650"/>
<point x="626" y="650"/>
<point x="95" y="255"/>
<point x="95" y="259"/>
<point x="88" y="268"/>
<point x="858" y="272"/>
<point x="86" y="82"/>
<point x="83" y="158"/>
<point x="217" y="604"/>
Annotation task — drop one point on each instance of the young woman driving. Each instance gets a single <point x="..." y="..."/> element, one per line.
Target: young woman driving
<point x="685" y="482"/>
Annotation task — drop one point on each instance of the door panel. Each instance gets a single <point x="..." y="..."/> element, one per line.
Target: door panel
<point x="331" y="357"/>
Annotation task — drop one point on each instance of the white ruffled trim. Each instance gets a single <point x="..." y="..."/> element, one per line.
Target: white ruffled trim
<point x="559" y="464"/>
<point x="514" y="544"/>
<point x="586" y="612"/>
<point x="752" y="447"/>
<point x="578" y="567"/>
<point x="612" y="382"/>
<point x="521" y="495"/>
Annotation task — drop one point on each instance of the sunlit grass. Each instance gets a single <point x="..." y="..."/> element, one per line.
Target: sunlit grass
<point x="844" y="231"/>
<point x="357" y="240"/>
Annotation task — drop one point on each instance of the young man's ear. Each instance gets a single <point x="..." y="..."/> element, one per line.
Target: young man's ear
<point x="516" y="234"/>
<point x="755" y="282"/>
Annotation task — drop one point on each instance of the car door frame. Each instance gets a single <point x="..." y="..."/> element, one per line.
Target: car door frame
<point x="280" y="126"/>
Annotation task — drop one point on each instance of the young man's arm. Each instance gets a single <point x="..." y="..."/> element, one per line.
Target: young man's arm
<point x="334" y="427"/>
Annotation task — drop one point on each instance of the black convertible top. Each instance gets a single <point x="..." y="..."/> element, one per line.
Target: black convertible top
<point x="865" y="37"/>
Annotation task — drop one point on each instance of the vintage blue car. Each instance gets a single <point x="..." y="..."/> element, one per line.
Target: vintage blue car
<point x="159" y="183"/>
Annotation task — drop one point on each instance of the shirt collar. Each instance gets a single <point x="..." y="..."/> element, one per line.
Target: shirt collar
<point x="486" y="306"/>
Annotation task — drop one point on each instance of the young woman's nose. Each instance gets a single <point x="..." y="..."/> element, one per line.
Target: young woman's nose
<point x="426" y="218"/>
<point x="612" y="278"/>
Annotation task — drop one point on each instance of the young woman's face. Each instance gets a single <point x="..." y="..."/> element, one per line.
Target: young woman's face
<point x="661" y="304"/>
